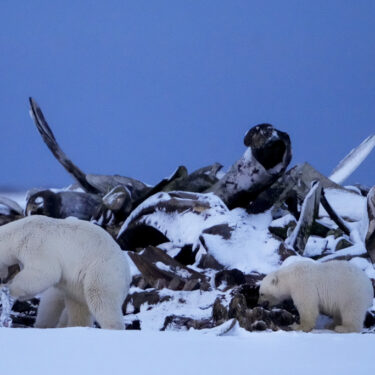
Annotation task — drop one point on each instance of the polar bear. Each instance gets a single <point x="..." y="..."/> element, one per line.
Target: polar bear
<point x="79" y="267"/>
<point x="335" y="288"/>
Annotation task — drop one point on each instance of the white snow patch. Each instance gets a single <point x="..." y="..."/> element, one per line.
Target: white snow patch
<point x="251" y="246"/>
<point x="317" y="245"/>
<point x="364" y="265"/>
<point x="176" y="270"/>
<point x="71" y="351"/>
<point x="346" y="204"/>
<point x="356" y="249"/>
<point x="283" y="221"/>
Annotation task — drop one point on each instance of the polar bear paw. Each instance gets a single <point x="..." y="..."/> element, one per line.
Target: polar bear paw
<point x="301" y="327"/>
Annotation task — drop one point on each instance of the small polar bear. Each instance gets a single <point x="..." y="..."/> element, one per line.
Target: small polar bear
<point x="336" y="288"/>
<point x="81" y="271"/>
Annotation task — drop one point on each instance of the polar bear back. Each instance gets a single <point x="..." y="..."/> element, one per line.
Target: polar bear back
<point x="75" y="244"/>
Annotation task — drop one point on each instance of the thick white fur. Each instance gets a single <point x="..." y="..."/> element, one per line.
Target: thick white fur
<point x="81" y="270"/>
<point x="336" y="288"/>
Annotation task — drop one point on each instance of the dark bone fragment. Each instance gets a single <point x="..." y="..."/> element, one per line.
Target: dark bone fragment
<point x="156" y="266"/>
<point x="137" y="299"/>
<point x="104" y="184"/>
<point x="175" y="322"/>
<point x="197" y="182"/>
<point x="48" y="137"/>
<point x="267" y="157"/>
<point x="294" y="184"/>
<point x="63" y="204"/>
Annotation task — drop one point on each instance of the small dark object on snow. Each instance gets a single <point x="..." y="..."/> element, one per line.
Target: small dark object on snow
<point x="175" y="322"/>
<point x="135" y="325"/>
<point x="208" y="261"/>
<point x="229" y="278"/>
<point x="250" y="293"/>
<point x="223" y="230"/>
<point x="186" y="256"/>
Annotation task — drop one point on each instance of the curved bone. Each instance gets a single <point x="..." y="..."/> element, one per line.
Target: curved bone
<point x="50" y="140"/>
<point x="352" y="161"/>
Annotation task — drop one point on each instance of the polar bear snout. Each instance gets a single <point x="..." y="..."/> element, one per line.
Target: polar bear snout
<point x="267" y="300"/>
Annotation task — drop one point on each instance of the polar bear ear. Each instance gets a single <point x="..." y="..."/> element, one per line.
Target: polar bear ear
<point x="274" y="280"/>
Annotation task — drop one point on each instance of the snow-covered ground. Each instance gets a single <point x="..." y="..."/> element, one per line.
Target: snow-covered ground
<point x="93" y="351"/>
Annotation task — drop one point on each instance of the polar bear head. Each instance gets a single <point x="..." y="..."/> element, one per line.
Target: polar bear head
<point x="272" y="290"/>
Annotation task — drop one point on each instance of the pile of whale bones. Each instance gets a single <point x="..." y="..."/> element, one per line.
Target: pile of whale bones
<point x="257" y="182"/>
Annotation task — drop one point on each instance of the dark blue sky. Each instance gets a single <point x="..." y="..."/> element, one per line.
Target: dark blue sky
<point x="137" y="88"/>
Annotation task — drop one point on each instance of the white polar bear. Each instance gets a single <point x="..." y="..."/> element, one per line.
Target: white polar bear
<point x="79" y="265"/>
<point x="336" y="288"/>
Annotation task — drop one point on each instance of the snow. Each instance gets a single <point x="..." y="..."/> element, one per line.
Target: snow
<point x="317" y="245"/>
<point x="176" y="270"/>
<point x="251" y="248"/>
<point x="6" y="307"/>
<point x="93" y="351"/>
<point x="345" y="203"/>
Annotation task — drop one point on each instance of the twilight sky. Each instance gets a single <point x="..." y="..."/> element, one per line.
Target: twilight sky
<point x="137" y="88"/>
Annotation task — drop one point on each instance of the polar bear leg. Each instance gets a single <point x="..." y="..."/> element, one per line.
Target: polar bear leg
<point x="32" y="280"/>
<point x="63" y="321"/>
<point x="106" y="308"/>
<point x="109" y="317"/>
<point x="50" y="308"/>
<point x="105" y="305"/>
<point x="105" y="295"/>
<point x="352" y="320"/>
<point x="308" y="309"/>
<point x="335" y="322"/>
<point x="78" y="314"/>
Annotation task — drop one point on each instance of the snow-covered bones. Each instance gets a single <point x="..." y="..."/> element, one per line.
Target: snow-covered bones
<point x="336" y="288"/>
<point x="213" y="249"/>
<point x="83" y="268"/>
